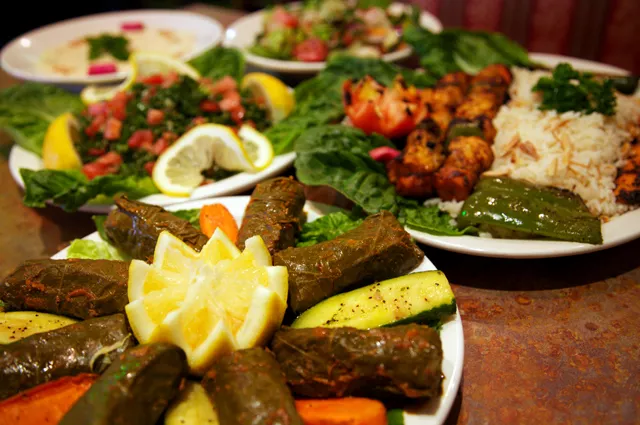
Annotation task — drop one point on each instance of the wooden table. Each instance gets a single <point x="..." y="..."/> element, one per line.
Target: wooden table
<point x="546" y="341"/>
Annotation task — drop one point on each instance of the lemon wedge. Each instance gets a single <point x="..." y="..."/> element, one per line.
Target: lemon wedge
<point x="58" y="151"/>
<point x="191" y="407"/>
<point x="178" y="171"/>
<point x="216" y="301"/>
<point x="278" y="98"/>
<point x="141" y="64"/>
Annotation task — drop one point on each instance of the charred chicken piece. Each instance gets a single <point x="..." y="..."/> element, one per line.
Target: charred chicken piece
<point x="468" y="158"/>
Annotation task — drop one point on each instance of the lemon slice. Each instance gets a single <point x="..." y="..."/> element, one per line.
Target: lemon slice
<point x="278" y="98"/>
<point x="178" y="171"/>
<point x="58" y="151"/>
<point x="191" y="407"/>
<point x="141" y="64"/>
<point x="219" y="300"/>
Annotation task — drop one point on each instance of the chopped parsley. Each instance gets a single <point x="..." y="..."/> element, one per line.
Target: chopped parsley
<point x="570" y="90"/>
<point x="114" y="45"/>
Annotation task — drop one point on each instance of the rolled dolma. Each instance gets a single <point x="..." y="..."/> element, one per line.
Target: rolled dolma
<point x="135" y="389"/>
<point x="79" y="348"/>
<point x="134" y="228"/>
<point x="401" y="361"/>
<point x="74" y="287"/>
<point x="248" y="388"/>
<point x="274" y="213"/>
<point x="378" y="249"/>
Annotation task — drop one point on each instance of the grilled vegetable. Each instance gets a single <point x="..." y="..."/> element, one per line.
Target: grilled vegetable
<point x="468" y="158"/>
<point x="192" y="407"/>
<point x="342" y="411"/>
<point x="625" y="85"/>
<point x="83" y="347"/>
<point x="424" y="297"/>
<point x="134" y="228"/>
<point x="402" y="361"/>
<point x="627" y="189"/>
<point x="248" y="388"/>
<point x="20" y="324"/>
<point x="135" y="389"/>
<point x="274" y="213"/>
<point x="46" y="403"/>
<point x="390" y="111"/>
<point x="74" y="287"/>
<point x="515" y="209"/>
<point x="379" y="248"/>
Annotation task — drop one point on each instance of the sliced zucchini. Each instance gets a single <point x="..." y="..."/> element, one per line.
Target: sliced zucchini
<point x="417" y="297"/>
<point x="16" y="325"/>
<point x="191" y="407"/>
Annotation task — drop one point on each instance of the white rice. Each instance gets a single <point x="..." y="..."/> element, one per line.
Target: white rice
<point x="570" y="150"/>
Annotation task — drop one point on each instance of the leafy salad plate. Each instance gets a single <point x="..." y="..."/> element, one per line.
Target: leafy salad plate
<point x="47" y="54"/>
<point x="242" y="34"/>
<point x="435" y="411"/>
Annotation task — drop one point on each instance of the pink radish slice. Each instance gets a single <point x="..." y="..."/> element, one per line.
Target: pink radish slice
<point x="102" y="68"/>
<point x="383" y="154"/>
<point x="132" y="26"/>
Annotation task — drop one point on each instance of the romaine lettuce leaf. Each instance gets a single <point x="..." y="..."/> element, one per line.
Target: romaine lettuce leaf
<point x="26" y="110"/>
<point x="94" y="250"/>
<point x="71" y="189"/>
<point x="218" y="62"/>
<point x="328" y="227"/>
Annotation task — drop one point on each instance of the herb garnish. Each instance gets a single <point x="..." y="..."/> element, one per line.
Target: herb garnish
<point x="570" y="90"/>
<point x="115" y="45"/>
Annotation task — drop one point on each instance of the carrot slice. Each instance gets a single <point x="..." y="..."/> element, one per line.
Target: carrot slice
<point x="342" y="411"/>
<point x="217" y="215"/>
<point x="46" y="403"/>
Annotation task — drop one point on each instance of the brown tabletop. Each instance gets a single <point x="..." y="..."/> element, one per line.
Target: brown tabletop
<point x="546" y="341"/>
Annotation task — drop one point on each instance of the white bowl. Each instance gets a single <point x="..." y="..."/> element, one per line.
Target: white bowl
<point x="243" y="32"/>
<point x="20" y="57"/>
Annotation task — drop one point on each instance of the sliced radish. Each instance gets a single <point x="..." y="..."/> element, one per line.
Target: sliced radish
<point x="132" y="26"/>
<point x="102" y="68"/>
<point x="383" y="154"/>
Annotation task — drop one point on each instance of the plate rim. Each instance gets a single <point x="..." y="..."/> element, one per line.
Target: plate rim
<point x="546" y="249"/>
<point x="100" y="79"/>
<point x="449" y="394"/>
<point x="296" y="67"/>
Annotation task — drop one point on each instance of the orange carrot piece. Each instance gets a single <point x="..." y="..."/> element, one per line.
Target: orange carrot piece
<point x="217" y="215"/>
<point x="46" y="403"/>
<point x="342" y="411"/>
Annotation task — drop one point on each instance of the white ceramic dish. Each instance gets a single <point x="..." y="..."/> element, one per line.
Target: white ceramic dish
<point x="22" y="158"/>
<point x="243" y="32"/>
<point x="20" y="57"/>
<point x="433" y="412"/>
<point x="619" y="230"/>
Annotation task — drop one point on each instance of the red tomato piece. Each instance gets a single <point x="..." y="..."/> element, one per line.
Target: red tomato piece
<point x="113" y="129"/>
<point x="170" y="79"/>
<point x="169" y="136"/>
<point x="95" y="126"/>
<point x="231" y="101"/>
<point x="198" y="121"/>
<point x="209" y="106"/>
<point x="155" y="116"/>
<point x="283" y="18"/>
<point x="224" y="85"/>
<point x="311" y="50"/>
<point x="93" y="170"/>
<point x="96" y="151"/>
<point x="97" y="109"/>
<point x="153" y="79"/>
<point x="148" y="167"/>
<point x="159" y="146"/>
<point x="140" y="138"/>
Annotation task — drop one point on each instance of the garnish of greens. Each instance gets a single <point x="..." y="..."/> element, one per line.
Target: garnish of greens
<point x="114" y="45"/>
<point x="319" y="100"/>
<point x="338" y="156"/>
<point x="328" y="227"/>
<point x="570" y="90"/>
<point x="26" y="111"/>
<point x="461" y="50"/>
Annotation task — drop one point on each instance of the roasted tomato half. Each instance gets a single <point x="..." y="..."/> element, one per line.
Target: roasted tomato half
<point x="390" y="111"/>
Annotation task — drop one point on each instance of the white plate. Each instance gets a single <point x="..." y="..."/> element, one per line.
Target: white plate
<point x="22" y="158"/>
<point x="243" y="32"/>
<point x="20" y="57"/>
<point x="435" y="411"/>
<point x="619" y="230"/>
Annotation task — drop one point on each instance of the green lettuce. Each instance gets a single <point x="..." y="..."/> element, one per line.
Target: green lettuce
<point x="94" y="250"/>
<point x="338" y="156"/>
<point x="26" y="110"/>
<point x="192" y="216"/>
<point x="218" y="62"/>
<point x="71" y="189"/>
<point x="328" y="227"/>
<point x="461" y="50"/>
